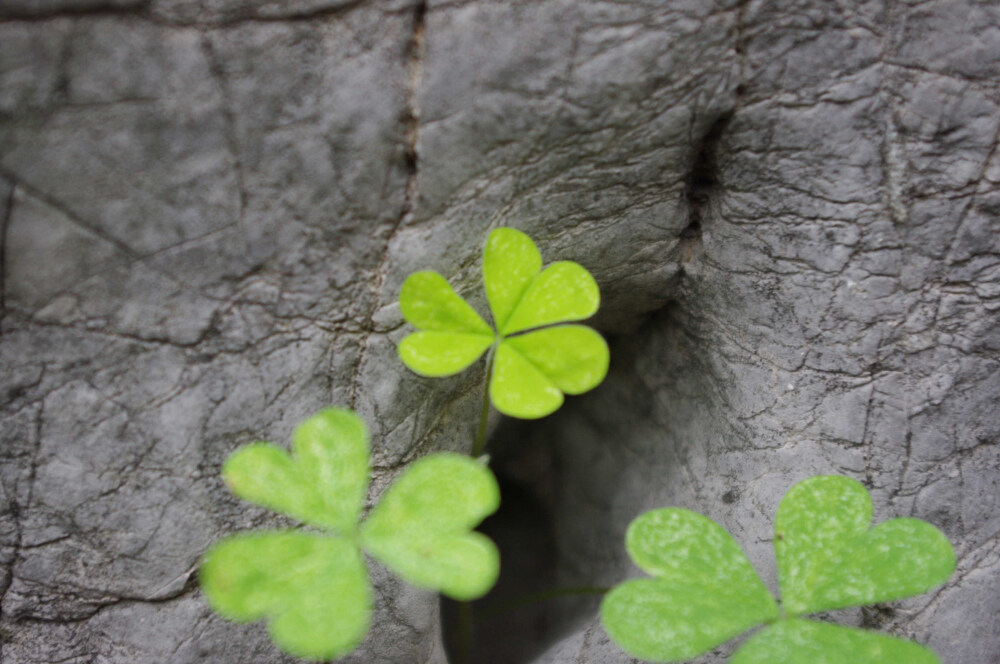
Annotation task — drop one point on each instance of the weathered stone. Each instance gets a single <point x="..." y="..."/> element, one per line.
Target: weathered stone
<point x="792" y="208"/>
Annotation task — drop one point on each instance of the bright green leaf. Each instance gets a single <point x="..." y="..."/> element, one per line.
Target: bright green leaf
<point x="422" y="527"/>
<point x="703" y="593"/>
<point x="322" y="483"/>
<point x="510" y="263"/>
<point x="807" y="642"/>
<point x="532" y="371"/>
<point x="314" y="589"/>
<point x="428" y="302"/>
<point x="562" y="292"/>
<point x="438" y="354"/>
<point x="574" y="357"/>
<point x="519" y="388"/>
<point x="829" y="559"/>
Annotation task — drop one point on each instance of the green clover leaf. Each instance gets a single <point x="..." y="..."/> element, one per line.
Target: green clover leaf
<point x="828" y="559"/>
<point x="532" y="368"/>
<point x="313" y="587"/>
<point x="704" y="590"/>
<point x="323" y="482"/>
<point x="422" y="527"/>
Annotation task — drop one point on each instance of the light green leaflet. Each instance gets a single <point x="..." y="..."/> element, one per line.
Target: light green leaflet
<point x="704" y="590"/>
<point x="313" y="586"/>
<point x="532" y="367"/>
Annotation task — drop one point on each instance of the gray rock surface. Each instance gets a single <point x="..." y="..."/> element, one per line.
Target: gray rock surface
<point x="793" y="210"/>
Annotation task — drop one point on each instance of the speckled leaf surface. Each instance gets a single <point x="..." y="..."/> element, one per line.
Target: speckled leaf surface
<point x="422" y="527"/>
<point x="322" y="482"/>
<point x="798" y="641"/>
<point x="828" y="558"/>
<point x="313" y="589"/>
<point x="704" y="591"/>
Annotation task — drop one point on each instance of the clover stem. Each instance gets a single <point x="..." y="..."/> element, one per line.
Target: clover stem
<point x="484" y="412"/>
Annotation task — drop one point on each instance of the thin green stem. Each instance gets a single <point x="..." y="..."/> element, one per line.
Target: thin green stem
<point x="479" y="446"/>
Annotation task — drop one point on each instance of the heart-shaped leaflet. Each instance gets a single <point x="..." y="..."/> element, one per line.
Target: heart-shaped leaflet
<point x="532" y="371"/>
<point x="314" y="589"/>
<point x="422" y="527"/>
<point x="829" y="559"/>
<point x="450" y="336"/>
<point x="324" y="480"/>
<point x="704" y="590"/>
<point x="522" y="295"/>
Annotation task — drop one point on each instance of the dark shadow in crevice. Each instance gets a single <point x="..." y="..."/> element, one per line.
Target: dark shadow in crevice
<point x="541" y="595"/>
<point x="572" y="482"/>
<point x="701" y="185"/>
<point x="513" y="623"/>
<point x="703" y="176"/>
<point x="583" y="465"/>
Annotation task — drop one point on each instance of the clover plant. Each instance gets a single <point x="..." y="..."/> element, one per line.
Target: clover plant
<point x="313" y="585"/>
<point x="534" y="359"/>
<point x="704" y="590"/>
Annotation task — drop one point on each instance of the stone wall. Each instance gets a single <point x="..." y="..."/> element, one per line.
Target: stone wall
<point x="208" y="206"/>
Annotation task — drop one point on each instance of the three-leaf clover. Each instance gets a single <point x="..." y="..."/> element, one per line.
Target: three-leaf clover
<point x="704" y="590"/>
<point x="314" y="586"/>
<point x="536" y="361"/>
